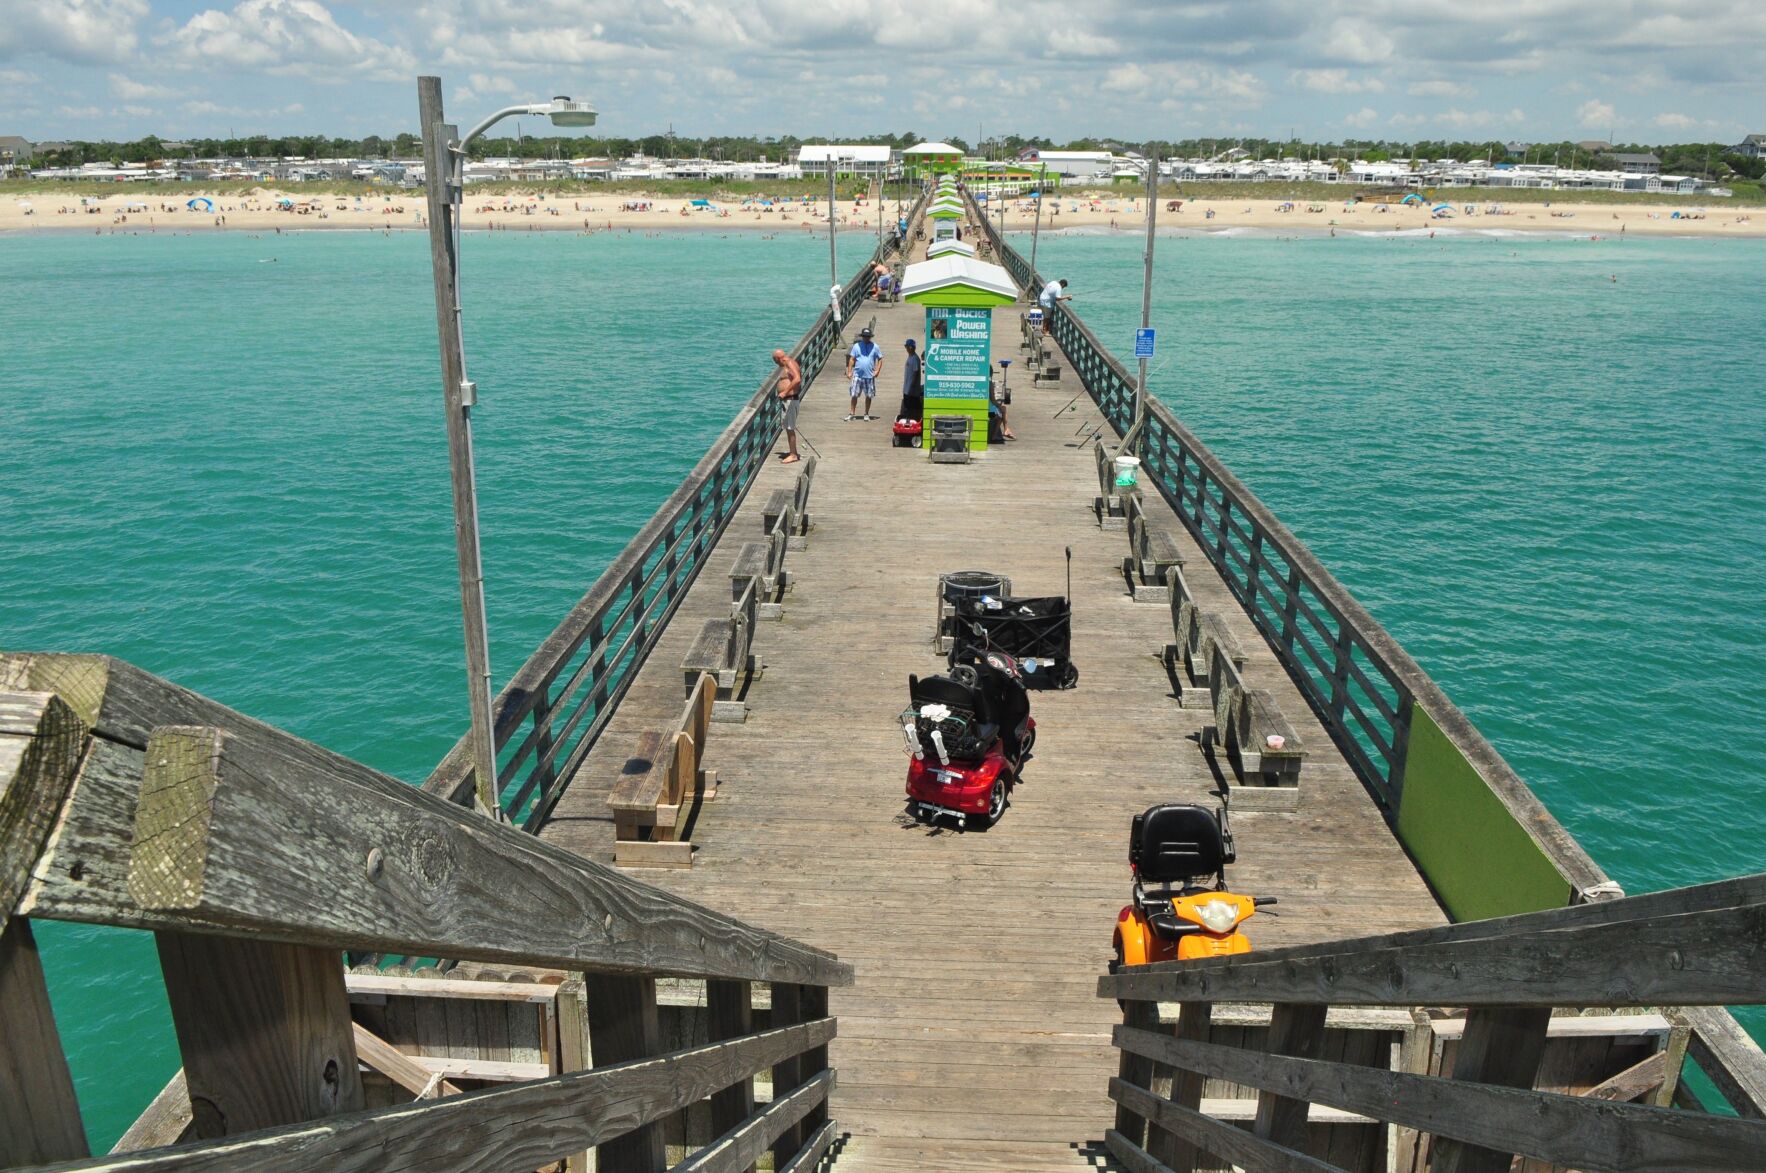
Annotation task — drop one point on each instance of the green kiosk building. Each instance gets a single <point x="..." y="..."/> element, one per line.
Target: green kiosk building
<point x="959" y="294"/>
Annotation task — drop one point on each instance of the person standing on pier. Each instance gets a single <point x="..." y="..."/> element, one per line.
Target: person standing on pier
<point x="864" y="362"/>
<point x="1052" y="293"/>
<point x="790" y="395"/>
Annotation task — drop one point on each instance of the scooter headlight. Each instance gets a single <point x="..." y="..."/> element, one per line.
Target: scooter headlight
<point x="1219" y="915"/>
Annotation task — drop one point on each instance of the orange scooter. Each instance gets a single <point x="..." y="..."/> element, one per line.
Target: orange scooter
<point x="1174" y="918"/>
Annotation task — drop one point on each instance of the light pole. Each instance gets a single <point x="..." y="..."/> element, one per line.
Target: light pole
<point x="1035" y="232"/>
<point x="1140" y="385"/>
<point x="444" y="164"/>
<point x="833" y="264"/>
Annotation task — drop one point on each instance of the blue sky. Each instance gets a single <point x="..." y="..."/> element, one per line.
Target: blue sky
<point x="1645" y="70"/>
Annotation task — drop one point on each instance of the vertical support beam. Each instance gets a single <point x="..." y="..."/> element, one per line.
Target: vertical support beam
<point x="729" y="1009"/>
<point x="1340" y="651"/>
<point x="264" y="1030"/>
<point x="1415" y="1051"/>
<point x="544" y="769"/>
<point x="788" y="1007"/>
<point x="1502" y="1047"/>
<point x="1178" y="1153"/>
<point x="623" y="1026"/>
<point x="39" y="1113"/>
<point x="1296" y="1030"/>
<point x="815" y="1060"/>
<point x="573" y="1046"/>
<point x="1136" y="1069"/>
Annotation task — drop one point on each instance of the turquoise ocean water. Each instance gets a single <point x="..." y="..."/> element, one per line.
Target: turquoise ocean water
<point x="224" y="460"/>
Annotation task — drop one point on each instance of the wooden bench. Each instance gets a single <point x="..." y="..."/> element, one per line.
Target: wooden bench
<point x="789" y="507"/>
<point x="1109" y="503"/>
<point x="1152" y="554"/>
<point x="658" y="781"/>
<point x="1262" y="777"/>
<point x="1197" y="636"/>
<point x="723" y="650"/>
<point x="763" y="561"/>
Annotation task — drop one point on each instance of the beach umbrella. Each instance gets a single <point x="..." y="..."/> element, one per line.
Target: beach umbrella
<point x="1412" y="198"/>
<point x="25" y="204"/>
<point x="701" y="203"/>
<point x="208" y="205"/>
<point x="285" y="202"/>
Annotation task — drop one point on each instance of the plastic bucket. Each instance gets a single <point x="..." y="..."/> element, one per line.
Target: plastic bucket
<point x="1127" y="468"/>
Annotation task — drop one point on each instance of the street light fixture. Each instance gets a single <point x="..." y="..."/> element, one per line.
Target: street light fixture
<point x="444" y="168"/>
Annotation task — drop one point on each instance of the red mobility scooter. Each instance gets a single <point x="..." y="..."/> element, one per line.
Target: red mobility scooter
<point x="969" y="733"/>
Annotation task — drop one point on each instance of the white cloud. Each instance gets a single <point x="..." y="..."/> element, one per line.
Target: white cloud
<point x="1357" y="40"/>
<point x="1675" y="121"/>
<point x="299" y="37"/>
<point x="129" y="89"/>
<point x="1362" y="118"/>
<point x="71" y="30"/>
<point x="1595" y="113"/>
<point x="1335" y="81"/>
<point x="17" y="77"/>
<point x="1440" y="88"/>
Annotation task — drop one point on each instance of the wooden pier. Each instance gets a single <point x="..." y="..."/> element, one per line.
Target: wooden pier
<point x="713" y="939"/>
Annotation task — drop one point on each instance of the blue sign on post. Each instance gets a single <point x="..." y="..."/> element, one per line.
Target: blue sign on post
<point x="1143" y="343"/>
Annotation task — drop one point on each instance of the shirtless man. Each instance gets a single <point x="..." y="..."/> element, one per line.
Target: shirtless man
<point x="790" y="394"/>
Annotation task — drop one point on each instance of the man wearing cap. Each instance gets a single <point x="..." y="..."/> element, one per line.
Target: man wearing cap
<point x="864" y="362"/>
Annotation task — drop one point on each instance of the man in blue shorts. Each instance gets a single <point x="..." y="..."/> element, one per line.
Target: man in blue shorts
<point x="864" y="362"/>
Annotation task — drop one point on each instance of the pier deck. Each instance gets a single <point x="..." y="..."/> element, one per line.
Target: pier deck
<point x="973" y="1036"/>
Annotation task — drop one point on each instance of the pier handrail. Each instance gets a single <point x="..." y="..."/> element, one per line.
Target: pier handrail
<point x="1373" y="698"/>
<point x="1699" y="946"/>
<point x="567" y="689"/>
<point x="256" y="857"/>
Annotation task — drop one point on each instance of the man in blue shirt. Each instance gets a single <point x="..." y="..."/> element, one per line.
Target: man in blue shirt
<point x="864" y="362"/>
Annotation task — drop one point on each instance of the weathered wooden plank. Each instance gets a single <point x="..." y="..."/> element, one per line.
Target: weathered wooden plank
<point x="522" y="1126"/>
<point x="416" y="1076"/>
<point x="382" y="984"/>
<point x="815" y="1060"/>
<point x="487" y="1070"/>
<point x="1295" y="1029"/>
<point x="1134" y="1158"/>
<point x="729" y="1010"/>
<point x="787" y="1010"/>
<point x="239" y="834"/>
<point x="165" y="1121"/>
<point x="1731" y="1059"/>
<point x="41" y="743"/>
<point x="1136" y="1069"/>
<point x="264" y="1029"/>
<point x="809" y="1157"/>
<point x="1503" y="1047"/>
<point x="741" y="1146"/>
<point x="623" y="1027"/>
<point x="1633" y="1083"/>
<point x="1565" y="1130"/>
<point x="573" y="1047"/>
<point x="1223" y="1139"/>
<point x="1699" y="958"/>
<point x="39" y="1113"/>
<point x="1194" y="1021"/>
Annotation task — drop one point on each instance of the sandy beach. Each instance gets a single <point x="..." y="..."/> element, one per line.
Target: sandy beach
<point x="271" y="210"/>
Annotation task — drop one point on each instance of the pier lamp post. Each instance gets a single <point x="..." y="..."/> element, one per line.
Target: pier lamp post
<point x="1036" y="231"/>
<point x="1151" y="164"/>
<point x="444" y="166"/>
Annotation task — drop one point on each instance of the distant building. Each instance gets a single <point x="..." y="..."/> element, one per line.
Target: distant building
<point x="1073" y="164"/>
<point x="1752" y="147"/>
<point x="871" y="162"/>
<point x="1638" y="164"/>
<point x="1595" y="145"/>
<point x="14" y="149"/>
<point x="931" y="158"/>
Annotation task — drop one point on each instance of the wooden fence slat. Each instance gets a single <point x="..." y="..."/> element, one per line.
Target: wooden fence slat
<point x="573" y="1046"/>
<point x="264" y="1029"/>
<point x="165" y="1121"/>
<point x="1731" y="1059"/>
<point x="39" y="1113"/>
<point x="399" y="1067"/>
<point x="1135" y="1069"/>
<point x="729" y="1012"/>
<point x="521" y="1126"/>
<point x="787" y="1009"/>
<point x="1501" y="1046"/>
<point x="1226" y="1140"/>
<point x="1561" y="1129"/>
<point x="1295" y="1029"/>
<point x="623" y="1026"/>
<point x="1194" y="1022"/>
<point x="1134" y="1158"/>
<point x="740" y="1147"/>
<point x="809" y="1157"/>
<point x="1702" y="958"/>
<point x="373" y="865"/>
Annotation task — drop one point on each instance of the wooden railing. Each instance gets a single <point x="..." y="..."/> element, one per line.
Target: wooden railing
<point x="1376" y="702"/>
<point x="1702" y="947"/>
<point x="551" y="712"/>
<point x="255" y="858"/>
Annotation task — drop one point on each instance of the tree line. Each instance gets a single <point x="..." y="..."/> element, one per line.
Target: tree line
<point x="1714" y="161"/>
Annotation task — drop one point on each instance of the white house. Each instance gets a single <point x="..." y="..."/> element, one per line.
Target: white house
<point x="871" y="162"/>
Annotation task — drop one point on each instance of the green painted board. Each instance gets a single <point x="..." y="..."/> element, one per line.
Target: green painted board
<point x="1479" y="860"/>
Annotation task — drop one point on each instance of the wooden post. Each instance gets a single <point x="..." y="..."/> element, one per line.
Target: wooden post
<point x="41" y="743"/>
<point x="1295" y="1029"/>
<point x="815" y="1060"/>
<point x="788" y="1010"/>
<point x="623" y="1026"/>
<point x="1179" y="1153"/>
<point x="573" y="1046"/>
<point x="730" y="1012"/>
<point x="1502" y="1047"/>
<point x="264" y="1030"/>
<point x="1136" y="1069"/>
